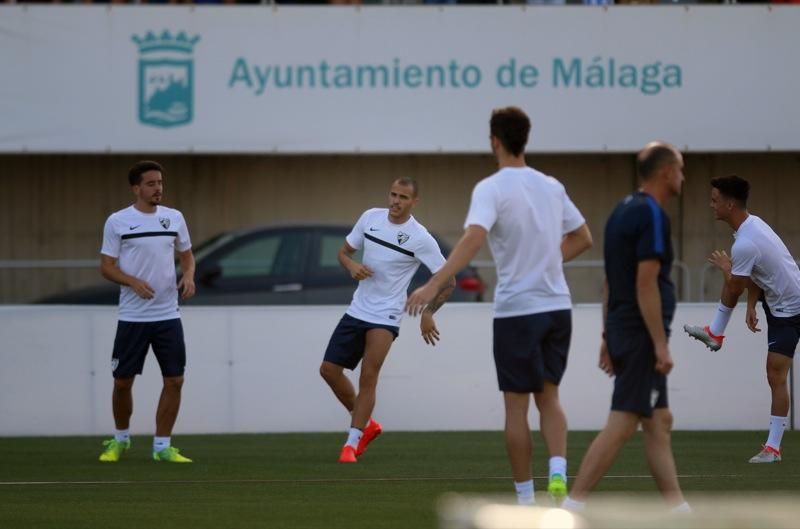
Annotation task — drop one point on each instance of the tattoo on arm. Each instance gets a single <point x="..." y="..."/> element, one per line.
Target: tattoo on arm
<point x="441" y="297"/>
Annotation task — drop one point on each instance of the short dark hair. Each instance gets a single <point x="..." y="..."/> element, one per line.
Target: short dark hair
<point x="733" y="187"/>
<point x="654" y="157"/>
<point x="410" y="182"/>
<point x="140" y="168"/>
<point x="511" y="126"/>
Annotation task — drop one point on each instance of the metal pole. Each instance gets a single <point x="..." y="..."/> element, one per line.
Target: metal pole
<point x="791" y="397"/>
<point x="48" y="263"/>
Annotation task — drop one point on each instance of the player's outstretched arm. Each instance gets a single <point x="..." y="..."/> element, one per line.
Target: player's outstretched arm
<point x="464" y="251"/>
<point x="427" y="326"/>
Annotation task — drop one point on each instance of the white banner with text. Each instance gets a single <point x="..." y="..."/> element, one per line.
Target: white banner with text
<point x="388" y="79"/>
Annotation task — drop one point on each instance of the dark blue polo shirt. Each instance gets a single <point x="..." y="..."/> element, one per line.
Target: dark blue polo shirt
<point x="638" y="229"/>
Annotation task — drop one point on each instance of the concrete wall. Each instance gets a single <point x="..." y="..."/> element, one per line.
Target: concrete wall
<point x="255" y="369"/>
<point x="54" y="206"/>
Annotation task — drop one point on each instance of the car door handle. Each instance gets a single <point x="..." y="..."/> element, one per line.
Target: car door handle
<point x="288" y="287"/>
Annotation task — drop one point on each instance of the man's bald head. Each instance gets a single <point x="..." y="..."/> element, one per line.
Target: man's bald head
<point x="653" y="157"/>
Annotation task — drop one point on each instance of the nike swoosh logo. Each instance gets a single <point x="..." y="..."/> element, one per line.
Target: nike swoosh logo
<point x="770" y="344"/>
<point x="374" y="229"/>
<point x="134" y="227"/>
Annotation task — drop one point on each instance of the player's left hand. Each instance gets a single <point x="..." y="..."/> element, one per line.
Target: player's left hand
<point x="186" y="287"/>
<point x="664" y="361"/>
<point x="721" y="260"/>
<point x="605" y="360"/>
<point x="428" y="329"/>
<point x="751" y="319"/>
<point x="420" y="298"/>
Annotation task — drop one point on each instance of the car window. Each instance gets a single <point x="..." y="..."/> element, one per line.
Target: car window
<point x="329" y="253"/>
<point x="208" y="247"/>
<point x="269" y="255"/>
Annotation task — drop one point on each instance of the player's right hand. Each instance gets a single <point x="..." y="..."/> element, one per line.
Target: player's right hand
<point x="142" y="289"/>
<point x="360" y="271"/>
<point x="721" y="260"/>
<point x="420" y="298"/>
<point x="663" y="359"/>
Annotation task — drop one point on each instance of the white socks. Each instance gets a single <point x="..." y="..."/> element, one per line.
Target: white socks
<point x="122" y="436"/>
<point x="524" y="492"/>
<point x="682" y="508"/>
<point x="354" y="437"/>
<point x="776" y="427"/>
<point x="578" y="506"/>
<point x="721" y="319"/>
<point x="573" y="505"/>
<point x="558" y="465"/>
<point x="160" y="443"/>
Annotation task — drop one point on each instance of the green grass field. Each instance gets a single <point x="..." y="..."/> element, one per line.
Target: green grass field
<point x="293" y="480"/>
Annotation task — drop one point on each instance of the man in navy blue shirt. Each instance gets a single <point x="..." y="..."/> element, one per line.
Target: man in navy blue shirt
<point x="637" y="313"/>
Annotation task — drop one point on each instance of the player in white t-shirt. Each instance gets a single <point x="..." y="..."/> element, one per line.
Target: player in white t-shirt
<point x="760" y="263"/>
<point x="139" y="247"/>
<point x="533" y="228"/>
<point x="394" y="245"/>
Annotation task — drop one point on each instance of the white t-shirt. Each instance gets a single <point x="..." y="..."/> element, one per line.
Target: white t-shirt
<point x="526" y="214"/>
<point x="393" y="252"/>
<point x="758" y="252"/>
<point x="144" y="245"/>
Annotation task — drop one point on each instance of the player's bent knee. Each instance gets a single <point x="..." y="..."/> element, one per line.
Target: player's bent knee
<point x="329" y="371"/>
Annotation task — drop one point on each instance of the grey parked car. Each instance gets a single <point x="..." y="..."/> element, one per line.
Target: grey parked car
<point x="291" y="265"/>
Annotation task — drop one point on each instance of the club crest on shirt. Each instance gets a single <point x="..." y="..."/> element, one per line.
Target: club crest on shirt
<point x="164" y="222"/>
<point x="402" y="238"/>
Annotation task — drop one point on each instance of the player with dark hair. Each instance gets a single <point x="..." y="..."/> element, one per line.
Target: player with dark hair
<point x="139" y="247"/>
<point x="533" y="228"/>
<point x="760" y="263"/>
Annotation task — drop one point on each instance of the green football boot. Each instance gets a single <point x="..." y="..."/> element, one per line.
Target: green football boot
<point x="171" y="455"/>
<point x="557" y="488"/>
<point x="113" y="450"/>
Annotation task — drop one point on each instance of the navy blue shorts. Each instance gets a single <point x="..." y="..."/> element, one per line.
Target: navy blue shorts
<point x="530" y="349"/>
<point x="346" y="347"/>
<point x="782" y="333"/>
<point x="133" y="340"/>
<point x="638" y="387"/>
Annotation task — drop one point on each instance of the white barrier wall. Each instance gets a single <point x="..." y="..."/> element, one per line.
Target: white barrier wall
<point x="255" y="369"/>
